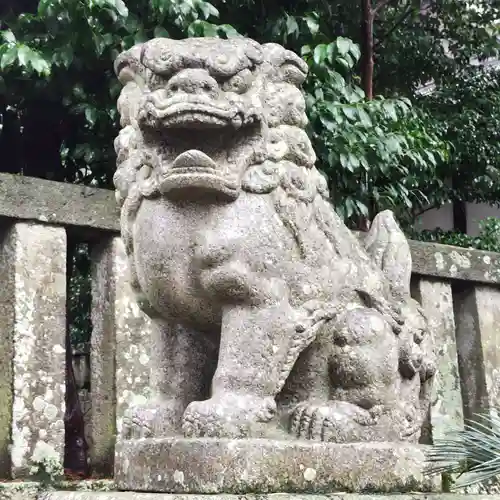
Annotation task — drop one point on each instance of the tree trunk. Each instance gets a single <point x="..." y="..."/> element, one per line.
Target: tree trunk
<point x="367" y="17"/>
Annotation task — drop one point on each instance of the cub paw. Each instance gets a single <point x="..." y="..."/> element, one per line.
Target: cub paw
<point x="335" y="421"/>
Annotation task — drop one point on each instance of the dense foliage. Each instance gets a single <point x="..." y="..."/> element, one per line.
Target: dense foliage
<point x="488" y="238"/>
<point x="468" y="110"/>
<point x="59" y="94"/>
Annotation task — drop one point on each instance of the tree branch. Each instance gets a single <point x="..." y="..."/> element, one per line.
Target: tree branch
<point x="380" y="5"/>
<point x="367" y="16"/>
<point x="422" y="211"/>
<point x="409" y="10"/>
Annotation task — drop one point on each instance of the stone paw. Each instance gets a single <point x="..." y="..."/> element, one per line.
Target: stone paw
<point x="228" y="415"/>
<point x="156" y="418"/>
<point x="335" y="421"/>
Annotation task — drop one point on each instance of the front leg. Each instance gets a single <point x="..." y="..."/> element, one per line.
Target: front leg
<point x="261" y="337"/>
<point x="182" y="362"/>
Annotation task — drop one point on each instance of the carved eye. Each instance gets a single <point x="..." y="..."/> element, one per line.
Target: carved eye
<point x="239" y="83"/>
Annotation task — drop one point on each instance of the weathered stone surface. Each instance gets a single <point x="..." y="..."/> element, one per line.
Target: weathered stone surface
<point x="273" y="496"/>
<point x="446" y="408"/>
<point x="32" y="490"/>
<point x="104" y="288"/>
<point x="478" y="328"/>
<point x="120" y="332"/>
<point x="432" y="259"/>
<point x="271" y="318"/>
<point x="47" y="201"/>
<point x="7" y="320"/>
<point x="34" y="264"/>
<point x="265" y="466"/>
<point x="19" y="491"/>
<point x="134" y="333"/>
<point x="57" y="203"/>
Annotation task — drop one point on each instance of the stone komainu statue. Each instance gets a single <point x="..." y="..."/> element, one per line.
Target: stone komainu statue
<point x="271" y="318"/>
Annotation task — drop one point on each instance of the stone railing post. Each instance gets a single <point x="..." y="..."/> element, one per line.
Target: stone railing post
<point x="477" y="314"/>
<point x="436" y="298"/>
<point x="32" y="347"/>
<point x="119" y="355"/>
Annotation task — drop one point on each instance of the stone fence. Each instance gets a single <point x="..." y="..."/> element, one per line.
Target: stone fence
<point x="459" y="289"/>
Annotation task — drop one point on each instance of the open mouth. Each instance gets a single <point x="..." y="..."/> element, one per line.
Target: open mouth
<point x="193" y="115"/>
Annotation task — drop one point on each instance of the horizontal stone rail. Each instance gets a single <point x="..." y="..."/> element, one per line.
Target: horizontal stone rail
<point x="459" y="289"/>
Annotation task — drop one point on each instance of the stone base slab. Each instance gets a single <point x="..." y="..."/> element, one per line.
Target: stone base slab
<point x="69" y="495"/>
<point x="242" y="466"/>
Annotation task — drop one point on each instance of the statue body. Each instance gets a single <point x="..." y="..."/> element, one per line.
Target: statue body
<point x="271" y="318"/>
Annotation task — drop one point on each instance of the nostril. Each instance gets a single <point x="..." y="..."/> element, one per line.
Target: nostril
<point x="174" y="87"/>
<point x="207" y="87"/>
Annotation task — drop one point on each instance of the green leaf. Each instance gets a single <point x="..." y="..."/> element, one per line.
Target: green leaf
<point x="330" y="52"/>
<point x="39" y="64"/>
<point x="8" y="57"/>
<point x="343" y="45"/>
<point x="43" y="7"/>
<point x="320" y="52"/>
<point x="350" y="112"/>
<point x="160" y="32"/>
<point x="291" y="25"/>
<point x="362" y="208"/>
<point x="121" y="8"/>
<point x="364" y="118"/>
<point x="208" y="10"/>
<point x="392" y="144"/>
<point x="24" y="55"/>
<point x="390" y="109"/>
<point x="202" y="28"/>
<point x="8" y="36"/>
<point x="91" y="115"/>
<point x="353" y="160"/>
<point x="312" y="24"/>
<point x="229" y="31"/>
<point x="344" y="161"/>
<point x="355" y="52"/>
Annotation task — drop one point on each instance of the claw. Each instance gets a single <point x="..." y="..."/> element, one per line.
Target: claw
<point x="326" y="430"/>
<point x="305" y="422"/>
<point x="319" y="417"/>
<point x="297" y="419"/>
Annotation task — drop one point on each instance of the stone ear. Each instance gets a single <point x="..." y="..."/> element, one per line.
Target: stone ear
<point x="388" y="247"/>
<point x="292" y="68"/>
<point x="128" y="67"/>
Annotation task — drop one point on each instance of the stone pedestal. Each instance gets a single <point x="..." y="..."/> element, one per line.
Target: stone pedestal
<point x="210" y="466"/>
